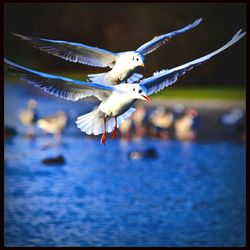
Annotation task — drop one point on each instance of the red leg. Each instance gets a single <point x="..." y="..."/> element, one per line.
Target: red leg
<point x="103" y="139"/>
<point x="114" y="133"/>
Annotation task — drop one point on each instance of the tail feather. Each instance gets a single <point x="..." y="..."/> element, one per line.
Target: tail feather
<point x="97" y="128"/>
<point x="103" y="78"/>
<point x="86" y="122"/>
<point x="92" y="123"/>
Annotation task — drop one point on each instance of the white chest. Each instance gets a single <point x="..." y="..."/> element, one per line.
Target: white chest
<point x="116" y="104"/>
<point x="121" y="70"/>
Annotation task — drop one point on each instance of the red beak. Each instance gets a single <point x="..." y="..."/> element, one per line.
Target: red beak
<point x="147" y="98"/>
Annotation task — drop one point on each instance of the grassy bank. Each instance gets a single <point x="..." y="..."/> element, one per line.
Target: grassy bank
<point x="204" y="93"/>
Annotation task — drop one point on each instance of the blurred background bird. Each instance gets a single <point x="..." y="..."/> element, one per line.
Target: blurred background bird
<point x="186" y="126"/>
<point x="138" y="119"/>
<point x="161" y="119"/>
<point x="28" y="118"/>
<point x="54" y="124"/>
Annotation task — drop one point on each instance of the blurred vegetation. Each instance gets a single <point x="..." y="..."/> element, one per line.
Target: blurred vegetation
<point x="125" y="26"/>
<point x="204" y="93"/>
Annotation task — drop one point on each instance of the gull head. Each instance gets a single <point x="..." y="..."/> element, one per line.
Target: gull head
<point x="132" y="59"/>
<point x="134" y="91"/>
<point x="137" y="60"/>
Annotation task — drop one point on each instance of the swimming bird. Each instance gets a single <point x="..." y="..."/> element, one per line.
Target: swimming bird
<point x="116" y="101"/>
<point x="123" y="65"/>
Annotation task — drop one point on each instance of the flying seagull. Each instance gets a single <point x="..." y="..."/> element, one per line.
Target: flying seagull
<point x="116" y="101"/>
<point x="123" y="65"/>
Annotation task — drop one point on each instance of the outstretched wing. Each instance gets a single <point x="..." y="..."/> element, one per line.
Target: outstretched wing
<point x="165" y="78"/>
<point x="73" y="52"/>
<point x="60" y="86"/>
<point x="158" y="41"/>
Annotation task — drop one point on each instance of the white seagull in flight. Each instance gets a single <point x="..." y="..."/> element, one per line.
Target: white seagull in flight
<point x="116" y="101"/>
<point x="123" y="65"/>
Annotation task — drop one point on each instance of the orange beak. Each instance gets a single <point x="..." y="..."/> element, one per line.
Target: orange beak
<point x="142" y="65"/>
<point x="147" y="98"/>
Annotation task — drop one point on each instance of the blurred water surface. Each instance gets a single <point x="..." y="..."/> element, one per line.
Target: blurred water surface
<point x="192" y="194"/>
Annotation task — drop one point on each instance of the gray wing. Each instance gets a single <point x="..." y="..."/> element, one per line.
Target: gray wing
<point x="158" y="41"/>
<point x="73" y="52"/>
<point x="63" y="87"/>
<point x="165" y="78"/>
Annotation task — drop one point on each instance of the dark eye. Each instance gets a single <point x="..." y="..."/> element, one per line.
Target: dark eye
<point x="137" y="59"/>
<point x="140" y="91"/>
<point x="133" y="58"/>
<point x="133" y="89"/>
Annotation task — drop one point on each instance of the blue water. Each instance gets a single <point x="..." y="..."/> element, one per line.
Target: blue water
<point x="192" y="194"/>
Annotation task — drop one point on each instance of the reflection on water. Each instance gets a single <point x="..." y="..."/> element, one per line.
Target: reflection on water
<point x="193" y="194"/>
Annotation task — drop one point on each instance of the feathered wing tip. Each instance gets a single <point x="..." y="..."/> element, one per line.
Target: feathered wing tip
<point x="103" y="78"/>
<point x="93" y="122"/>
